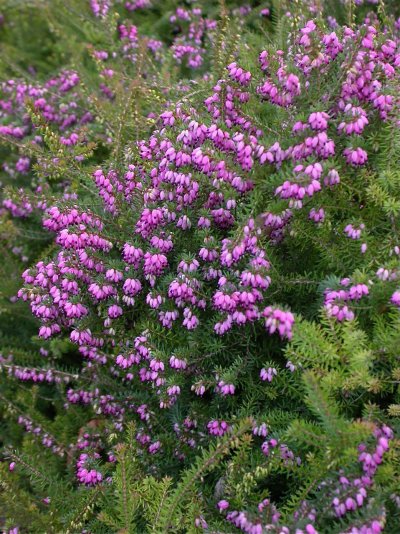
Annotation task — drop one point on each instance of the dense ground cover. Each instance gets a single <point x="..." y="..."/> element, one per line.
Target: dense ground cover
<point x="200" y="295"/>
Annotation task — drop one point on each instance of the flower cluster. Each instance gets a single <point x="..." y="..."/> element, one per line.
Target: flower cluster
<point x="188" y="259"/>
<point x="60" y="103"/>
<point x="209" y="226"/>
<point x="86" y="475"/>
<point x="336" y="302"/>
<point x="350" y="494"/>
<point x="38" y="432"/>
<point x="188" y="47"/>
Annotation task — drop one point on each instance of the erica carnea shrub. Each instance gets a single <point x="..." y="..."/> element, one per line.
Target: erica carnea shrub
<point x="218" y="312"/>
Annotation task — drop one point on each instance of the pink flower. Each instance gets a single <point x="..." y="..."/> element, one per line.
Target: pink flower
<point x="114" y="311"/>
<point x="222" y="505"/>
<point x="268" y="374"/>
<point x="395" y="298"/>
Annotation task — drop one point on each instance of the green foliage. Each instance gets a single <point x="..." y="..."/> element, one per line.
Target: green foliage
<point x="336" y="383"/>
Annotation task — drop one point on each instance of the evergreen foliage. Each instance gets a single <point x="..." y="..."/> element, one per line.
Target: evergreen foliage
<point x="199" y="286"/>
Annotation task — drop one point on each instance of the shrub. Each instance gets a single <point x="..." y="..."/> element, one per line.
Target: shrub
<point x="226" y="288"/>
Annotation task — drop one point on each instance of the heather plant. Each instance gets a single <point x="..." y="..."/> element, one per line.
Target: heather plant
<point x="54" y="125"/>
<point x="219" y="311"/>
